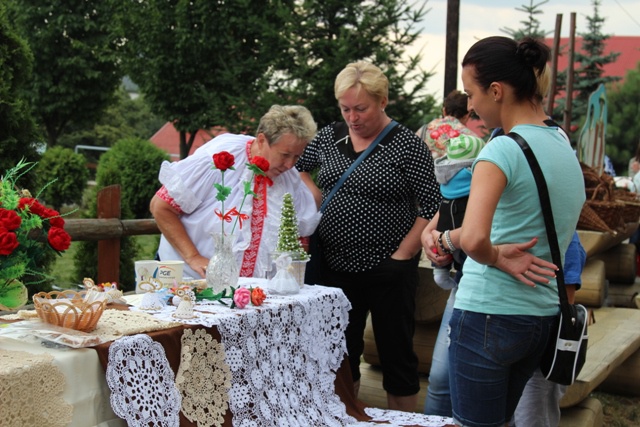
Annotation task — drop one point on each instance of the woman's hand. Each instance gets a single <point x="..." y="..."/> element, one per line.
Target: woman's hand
<point x="198" y="263"/>
<point x="514" y="258"/>
<point x="431" y="249"/>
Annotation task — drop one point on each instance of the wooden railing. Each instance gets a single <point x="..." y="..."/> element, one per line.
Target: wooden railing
<point x="107" y="230"/>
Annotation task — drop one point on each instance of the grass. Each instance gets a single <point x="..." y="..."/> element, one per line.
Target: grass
<point x="619" y="411"/>
<point x="64" y="269"/>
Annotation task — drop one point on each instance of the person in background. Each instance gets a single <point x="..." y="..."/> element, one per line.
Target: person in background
<point x="453" y="122"/>
<point x="370" y="230"/>
<point x="186" y="204"/>
<point x="507" y="291"/>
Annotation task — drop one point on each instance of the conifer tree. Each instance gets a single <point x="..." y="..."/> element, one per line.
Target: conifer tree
<point x="288" y="234"/>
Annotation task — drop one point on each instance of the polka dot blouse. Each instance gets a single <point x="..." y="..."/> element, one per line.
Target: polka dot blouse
<point x="378" y="204"/>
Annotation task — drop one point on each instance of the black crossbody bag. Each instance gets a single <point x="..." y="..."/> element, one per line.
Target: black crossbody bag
<point x="566" y="350"/>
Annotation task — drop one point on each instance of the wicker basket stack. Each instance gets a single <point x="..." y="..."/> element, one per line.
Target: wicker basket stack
<point x="606" y="209"/>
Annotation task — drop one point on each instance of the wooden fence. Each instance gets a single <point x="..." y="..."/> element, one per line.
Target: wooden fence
<point x="107" y="229"/>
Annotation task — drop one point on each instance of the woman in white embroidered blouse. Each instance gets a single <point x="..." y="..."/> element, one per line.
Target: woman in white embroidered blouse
<point x="185" y="204"/>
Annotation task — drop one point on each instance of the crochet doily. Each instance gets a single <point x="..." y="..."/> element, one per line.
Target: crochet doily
<point x="283" y="362"/>
<point x="143" y="391"/>
<point x="203" y="378"/>
<point x="31" y="388"/>
<point x="399" y="418"/>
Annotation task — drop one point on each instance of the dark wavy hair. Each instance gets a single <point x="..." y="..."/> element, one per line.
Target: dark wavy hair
<point x="501" y="59"/>
<point x="455" y="104"/>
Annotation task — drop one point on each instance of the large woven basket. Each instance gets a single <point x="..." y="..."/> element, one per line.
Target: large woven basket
<point x="68" y="309"/>
<point x="590" y="220"/>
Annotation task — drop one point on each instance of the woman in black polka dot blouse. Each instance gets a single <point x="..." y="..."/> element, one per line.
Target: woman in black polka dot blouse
<point x="370" y="230"/>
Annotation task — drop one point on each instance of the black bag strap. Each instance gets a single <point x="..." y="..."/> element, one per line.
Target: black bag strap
<point x="355" y="164"/>
<point x="543" y="193"/>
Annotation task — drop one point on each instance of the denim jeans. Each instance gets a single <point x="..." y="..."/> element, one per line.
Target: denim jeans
<point x="438" y="401"/>
<point x="491" y="358"/>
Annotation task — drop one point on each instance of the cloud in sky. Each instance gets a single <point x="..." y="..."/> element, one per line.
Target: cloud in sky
<point x="482" y="18"/>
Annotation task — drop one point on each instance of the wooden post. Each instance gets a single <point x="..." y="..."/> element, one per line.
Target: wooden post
<point x="568" y="108"/>
<point x="109" y="250"/>
<point x="554" y="66"/>
<point x="451" y="49"/>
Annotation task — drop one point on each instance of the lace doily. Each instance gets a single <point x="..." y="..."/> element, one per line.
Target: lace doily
<point x="392" y="418"/>
<point x="118" y="323"/>
<point x="203" y="378"/>
<point x="143" y="391"/>
<point x="26" y="378"/>
<point x="283" y="361"/>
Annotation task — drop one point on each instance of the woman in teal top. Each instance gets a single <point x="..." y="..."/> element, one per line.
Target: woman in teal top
<point x="507" y="299"/>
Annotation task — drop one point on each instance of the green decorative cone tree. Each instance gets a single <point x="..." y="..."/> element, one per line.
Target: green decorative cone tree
<point x="288" y="234"/>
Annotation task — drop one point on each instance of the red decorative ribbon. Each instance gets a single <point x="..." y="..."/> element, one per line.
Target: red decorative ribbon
<point x="228" y="217"/>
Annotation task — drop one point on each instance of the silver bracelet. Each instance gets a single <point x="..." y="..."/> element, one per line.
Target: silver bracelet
<point x="447" y="238"/>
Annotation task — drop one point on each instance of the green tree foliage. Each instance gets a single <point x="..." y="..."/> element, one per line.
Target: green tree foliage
<point x="18" y="131"/>
<point x="201" y="63"/>
<point x="126" y="118"/>
<point x="326" y="35"/>
<point x="133" y="164"/>
<point x="589" y="70"/>
<point x="623" y="128"/>
<point x="531" y="25"/>
<point x="67" y="171"/>
<point x="77" y="70"/>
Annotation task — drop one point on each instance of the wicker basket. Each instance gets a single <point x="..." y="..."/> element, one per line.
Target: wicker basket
<point x="589" y="220"/>
<point x="631" y="211"/>
<point x="68" y="309"/>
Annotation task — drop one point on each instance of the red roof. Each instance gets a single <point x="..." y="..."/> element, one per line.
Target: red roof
<point x="168" y="139"/>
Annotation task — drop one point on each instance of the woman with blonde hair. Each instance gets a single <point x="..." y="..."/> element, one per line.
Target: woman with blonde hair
<point x="371" y="224"/>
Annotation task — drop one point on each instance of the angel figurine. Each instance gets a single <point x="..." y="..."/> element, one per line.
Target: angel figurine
<point x="283" y="283"/>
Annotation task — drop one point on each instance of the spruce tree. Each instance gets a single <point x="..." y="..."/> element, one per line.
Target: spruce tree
<point x="288" y="235"/>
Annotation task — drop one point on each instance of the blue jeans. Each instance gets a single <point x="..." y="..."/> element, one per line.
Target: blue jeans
<point x="438" y="401"/>
<point x="491" y="358"/>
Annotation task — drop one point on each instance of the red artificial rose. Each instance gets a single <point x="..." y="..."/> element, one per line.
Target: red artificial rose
<point x="223" y="160"/>
<point x="9" y="219"/>
<point x="257" y="296"/>
<point x="59" y="239"/>
<point x="54" y="218"/>
<point x="34" y="206"/>
<point x="260" y="162"/>
<point x="8" y="241"/>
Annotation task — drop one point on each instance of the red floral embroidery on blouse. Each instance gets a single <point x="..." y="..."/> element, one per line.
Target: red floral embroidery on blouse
<point x="163" y="193"/>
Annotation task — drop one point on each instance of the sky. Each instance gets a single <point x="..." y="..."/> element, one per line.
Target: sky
<point x="483" y="18"/>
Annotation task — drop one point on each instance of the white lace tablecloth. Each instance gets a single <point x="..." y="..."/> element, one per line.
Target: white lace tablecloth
<point x="283" y="355"/>
<point x="282" y="359"/>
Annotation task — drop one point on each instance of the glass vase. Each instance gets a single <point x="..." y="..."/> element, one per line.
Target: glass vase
<point x="222" y="270"/>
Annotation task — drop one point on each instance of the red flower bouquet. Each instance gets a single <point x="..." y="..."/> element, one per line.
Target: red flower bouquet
<point x="27" y="228"/>
<point x="224" y="161"/>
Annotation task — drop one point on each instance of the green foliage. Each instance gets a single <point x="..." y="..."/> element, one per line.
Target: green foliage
<point x="133" y="164"/>
<point x="288" y="235"/>
<point x="588" y="74"/>
<point x="18" y="131"/>
<point x="623" y="128"/>
<point x="78" y="71"/>
<point x="126" y="118"/>
<point x="530" y="26"/>
<point x="326" y="35"/>
<point x="201" y="63"/>
<point x="68" y="174"/>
